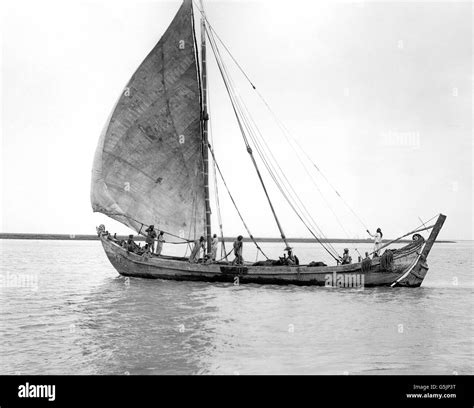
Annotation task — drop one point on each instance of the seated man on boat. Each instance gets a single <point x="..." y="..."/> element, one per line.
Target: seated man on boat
<point x="377" y="241"/>
<point x="150" y="237"/>
<point x="198" y="245"/>
<point x="145" y="251"/>
<point x="131" y="245"/>
<point x="100" y="229"/>
<point x="140" y="250"/>
<point x="282" y="260"/>
<point x="238" y="247"/>
<point x="346" y="258"/>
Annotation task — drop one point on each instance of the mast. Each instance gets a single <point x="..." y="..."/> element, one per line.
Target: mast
<point x="204" y="124"/>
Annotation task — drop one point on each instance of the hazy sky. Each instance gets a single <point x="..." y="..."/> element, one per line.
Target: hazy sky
<point x="379" y="95"/>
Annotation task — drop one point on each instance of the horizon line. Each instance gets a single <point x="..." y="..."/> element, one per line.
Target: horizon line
<point x="93" y="237"/>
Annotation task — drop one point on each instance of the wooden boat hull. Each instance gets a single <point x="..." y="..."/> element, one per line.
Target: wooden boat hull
<point x="408" y="268"/>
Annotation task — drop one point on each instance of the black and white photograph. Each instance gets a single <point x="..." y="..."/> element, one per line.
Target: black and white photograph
<point x="236" y="188"/>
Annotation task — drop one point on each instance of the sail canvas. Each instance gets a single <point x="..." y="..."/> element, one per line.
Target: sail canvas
<point x="148" y="164"/>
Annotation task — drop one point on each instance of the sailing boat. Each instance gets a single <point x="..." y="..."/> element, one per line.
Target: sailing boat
<point x="151" y="167"/>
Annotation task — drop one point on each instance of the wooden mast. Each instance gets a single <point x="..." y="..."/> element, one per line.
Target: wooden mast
<point x="204" y="120"/>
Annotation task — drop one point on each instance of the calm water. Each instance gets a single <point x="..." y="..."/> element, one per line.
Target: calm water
<point x="65" y="310"/>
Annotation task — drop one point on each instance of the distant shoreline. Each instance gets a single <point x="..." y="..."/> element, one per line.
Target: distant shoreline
<point x="85" y="237"/>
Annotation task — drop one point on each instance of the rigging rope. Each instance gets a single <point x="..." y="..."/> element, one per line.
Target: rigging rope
<point x="282" y="126"/>
<point x="418" y="229"/>
<point x="431" y="219"/>
<point x="241" y="126"/>
<point x="274" y="174"/>
<point x="330" y="184"/>
<point x="236" y="106"/>
<point x="234" y="203"/>
<point x="145" y="225"/>
<point x="281" y="184"/>
<point x="244" y="123"/>
<point x="216" y="189"/>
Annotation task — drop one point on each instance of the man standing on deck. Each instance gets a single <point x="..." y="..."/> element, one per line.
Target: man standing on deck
<point x="198" y="244"/>
<point x="150" y="238"/>
<point x="159" y="243"/>
<point x="292" y="259"/>
<point x="238" y="247"/>
<point x="215" y="243"/>
<point x="377" y="241"/>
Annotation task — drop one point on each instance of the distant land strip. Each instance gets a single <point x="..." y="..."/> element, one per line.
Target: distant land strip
<point x="84" y="237"/>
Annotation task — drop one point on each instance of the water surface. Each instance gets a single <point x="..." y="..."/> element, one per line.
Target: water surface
<point x="65" y="310"/>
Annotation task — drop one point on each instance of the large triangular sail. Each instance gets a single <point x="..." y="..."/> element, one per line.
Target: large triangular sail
<point x="148" y="167"/>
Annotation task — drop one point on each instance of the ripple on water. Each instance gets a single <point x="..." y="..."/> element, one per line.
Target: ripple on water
<point x="83" y="319"/>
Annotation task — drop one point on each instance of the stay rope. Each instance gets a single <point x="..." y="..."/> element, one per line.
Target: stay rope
<point x="245" y="126"/>
<point x="146" y="225"/>
<point x="214" y="173"/>
<point x="234" y="203"/>
<point x="243" y="133"/>
<point x="285" y="131"/>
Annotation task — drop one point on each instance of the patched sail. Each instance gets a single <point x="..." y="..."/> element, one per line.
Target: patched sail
<point x="148" y="164"/>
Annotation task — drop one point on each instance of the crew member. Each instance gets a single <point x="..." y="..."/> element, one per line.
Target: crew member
<point x="150" y="237"/>
<point x="377" y="241"/>
<point x="131" y="245"/>
<point x="198" y="245"/>
<point x="159" y="244"/>
<point x="292" y="259"/>
<point x="238" y="247"/>
<point x="215" y="243"/>
<point x="346" y="258"/>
